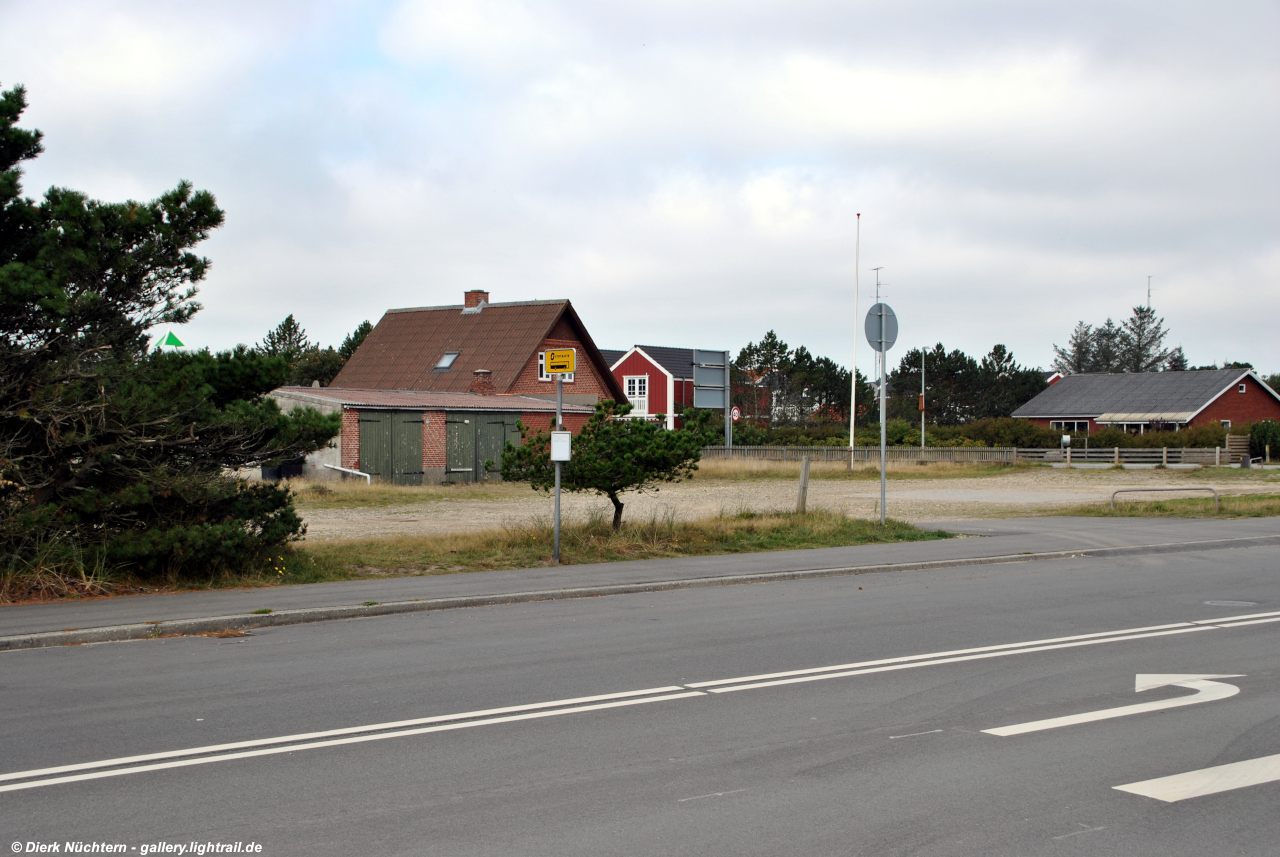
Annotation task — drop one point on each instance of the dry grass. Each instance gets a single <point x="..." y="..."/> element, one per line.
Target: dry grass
<point x="594" y="541"/>
<point x="53" y="572"/>
<point x="741" y="471"/>
<point x="355" y="494"/>
<point x="1231" y="506"/>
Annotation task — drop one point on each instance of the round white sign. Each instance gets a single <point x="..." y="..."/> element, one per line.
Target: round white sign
<point x="735" y="413"/>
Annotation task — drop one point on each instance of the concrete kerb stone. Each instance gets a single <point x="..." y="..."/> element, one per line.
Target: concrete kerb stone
<point x="247" y="622"/>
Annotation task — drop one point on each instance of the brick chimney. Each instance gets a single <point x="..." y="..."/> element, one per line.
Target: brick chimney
<point x="474" y="297"/>
<point x="482" y="384"/>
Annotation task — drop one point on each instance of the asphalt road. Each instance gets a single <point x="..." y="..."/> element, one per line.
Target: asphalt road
<point x="700" y="756"/>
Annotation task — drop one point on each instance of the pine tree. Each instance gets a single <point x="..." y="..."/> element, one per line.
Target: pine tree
<point x="1106" y="355"/>
<point x="1177" y="361"/>
<point x="107" y="448"/>
<point x="1142" y="342"/>
<point x="287" y="340"/>
<point x="1077" y="357"/>
<point x="354" y="339"/>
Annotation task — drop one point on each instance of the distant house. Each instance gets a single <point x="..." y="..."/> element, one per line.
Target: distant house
<point x="1138" y="403"/>
<point x="433" y="393"/>
<point x="655" y="379"/>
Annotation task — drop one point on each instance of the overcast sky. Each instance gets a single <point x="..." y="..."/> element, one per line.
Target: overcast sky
<point x="688" y="173"/>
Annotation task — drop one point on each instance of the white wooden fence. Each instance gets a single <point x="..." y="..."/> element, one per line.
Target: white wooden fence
<point x="1205" y="456"/>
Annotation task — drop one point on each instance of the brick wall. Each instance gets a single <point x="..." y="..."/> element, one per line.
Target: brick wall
<point x="585" y="379"/>
<point x="350" y="439"/>
<point x="433" y="455"/>
<point x="1253" y="404"/>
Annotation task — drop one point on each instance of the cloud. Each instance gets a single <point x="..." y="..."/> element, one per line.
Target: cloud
<point x="690" y="173"/>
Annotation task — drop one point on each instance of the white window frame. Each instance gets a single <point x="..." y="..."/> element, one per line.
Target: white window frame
<point x="1072" y="426"/>
<point x="1243" y="388"/>
<point x="1226" y="424"/>
<point x="638" y="380"/>
<point x="542" y="370"/>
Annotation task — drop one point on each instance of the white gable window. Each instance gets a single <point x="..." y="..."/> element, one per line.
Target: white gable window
<point x="542" y="370"/>
<point x="637" y="389"/>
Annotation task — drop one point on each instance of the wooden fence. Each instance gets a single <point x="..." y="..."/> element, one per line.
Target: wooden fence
<point x="1204" y="456"/>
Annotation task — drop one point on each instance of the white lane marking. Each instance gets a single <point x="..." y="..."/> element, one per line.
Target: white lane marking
<point x="1252" y="622"/>
<point x="1087" y="829"/>
<point x="329" y="733"/>
<point x="906" y="662"/>
<point x="1206" y="691"/>
<point x="1233" y="618"/>
<point x="932" y="655"/>
<point x="977" y="657"/>
<point x="1208" y="781"/>
<point x="913" y="734"/>
<point x="713" y="794"/>
<point x="357" y="739"/>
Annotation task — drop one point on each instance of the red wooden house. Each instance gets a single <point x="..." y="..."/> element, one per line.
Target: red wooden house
<point x="655" y="379"/>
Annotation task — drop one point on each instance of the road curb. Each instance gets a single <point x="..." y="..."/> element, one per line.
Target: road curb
<point x="246" y="622"/>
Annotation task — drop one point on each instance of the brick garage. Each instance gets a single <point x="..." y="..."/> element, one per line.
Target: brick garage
<point x="440" y="459"/>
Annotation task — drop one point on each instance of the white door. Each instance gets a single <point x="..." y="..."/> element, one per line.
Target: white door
<point x="637" y="387"/>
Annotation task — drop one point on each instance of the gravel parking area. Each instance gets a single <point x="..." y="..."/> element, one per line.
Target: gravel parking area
<point x="921" y="500"/>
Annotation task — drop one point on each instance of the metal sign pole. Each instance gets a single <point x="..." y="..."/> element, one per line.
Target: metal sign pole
<point x="884" y="359"/>
<point x="555" y="545"/>
<point x="728" y="405"/>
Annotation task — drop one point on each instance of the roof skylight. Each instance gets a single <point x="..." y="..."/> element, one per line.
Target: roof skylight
<point x="447" y="360"/>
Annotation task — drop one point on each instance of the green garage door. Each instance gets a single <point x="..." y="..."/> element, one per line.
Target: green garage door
<point x="391" y="446"/>
<point x="472" y="439"/>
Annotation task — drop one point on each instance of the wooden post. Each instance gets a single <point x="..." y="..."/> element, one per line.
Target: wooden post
<point x="1217" y="456"/>
<point x="1164" y="455"/>
<point x="804" y="485"/>
<point x="1116" y="461"/>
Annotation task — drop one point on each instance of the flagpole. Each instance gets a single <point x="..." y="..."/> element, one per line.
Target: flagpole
<point x="853" y="395"/>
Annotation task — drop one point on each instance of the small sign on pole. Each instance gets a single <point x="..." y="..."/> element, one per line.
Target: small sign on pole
<point x="561" y="446"/>
<point x="737" y="414"/>
<point x="559" y="361"/>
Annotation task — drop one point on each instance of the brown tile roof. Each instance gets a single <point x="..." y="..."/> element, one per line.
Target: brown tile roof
<point x="411" y="400"/>
<point x="401" y="352"/>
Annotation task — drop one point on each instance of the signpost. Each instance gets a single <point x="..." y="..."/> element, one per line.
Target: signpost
<point x="559" y="362"/>
<point x="882" y="331"/>
<point x="712" y="387"/>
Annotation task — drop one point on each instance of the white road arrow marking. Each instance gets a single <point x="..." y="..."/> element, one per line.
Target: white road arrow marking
<point x="1221" y="778"/>
<point x="1206" y="691"/>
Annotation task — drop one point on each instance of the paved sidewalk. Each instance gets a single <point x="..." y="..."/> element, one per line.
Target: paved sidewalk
<point x="995" y="538"/>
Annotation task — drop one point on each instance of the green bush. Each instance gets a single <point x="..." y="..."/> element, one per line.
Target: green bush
<point x="1263" y="434"/>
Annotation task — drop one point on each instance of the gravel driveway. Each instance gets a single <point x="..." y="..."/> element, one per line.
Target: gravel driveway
<point x="919" y="500"/>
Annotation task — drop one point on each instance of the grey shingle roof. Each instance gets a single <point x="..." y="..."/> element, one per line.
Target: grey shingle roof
<point x="1173" y="396"/>
<point x="677" y="361"/>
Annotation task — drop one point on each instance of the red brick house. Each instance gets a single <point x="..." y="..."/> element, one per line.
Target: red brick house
<point x="433" y="393"/>
<point x="655" y="379"/>
<point x="1152" y="401"/>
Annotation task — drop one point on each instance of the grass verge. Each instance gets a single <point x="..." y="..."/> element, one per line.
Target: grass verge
<point x="594" y="541"/>
<point x="355" y="494"/>
<point x="525" y="546"/>
<point x="1232" y="506"/>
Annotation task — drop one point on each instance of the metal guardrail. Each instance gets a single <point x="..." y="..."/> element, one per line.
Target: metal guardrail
<point x="1137" y="490"/>
<point x="368" y="480"/>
